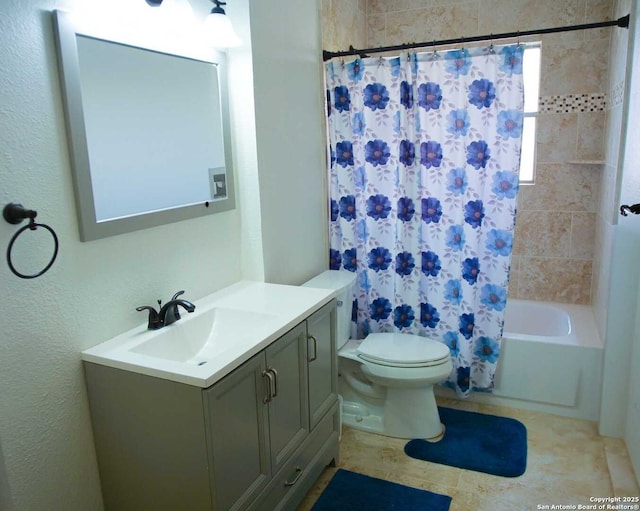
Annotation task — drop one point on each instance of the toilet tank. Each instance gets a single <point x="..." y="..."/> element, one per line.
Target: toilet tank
<point x="343" y="282"/>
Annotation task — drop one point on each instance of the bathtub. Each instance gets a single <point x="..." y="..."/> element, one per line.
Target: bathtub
<point x="550" y="360"/>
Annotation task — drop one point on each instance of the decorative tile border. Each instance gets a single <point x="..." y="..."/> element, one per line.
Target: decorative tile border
<point x="572" y="103"/>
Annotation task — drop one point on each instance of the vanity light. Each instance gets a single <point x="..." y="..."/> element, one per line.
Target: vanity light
<point x="219" y="32"/>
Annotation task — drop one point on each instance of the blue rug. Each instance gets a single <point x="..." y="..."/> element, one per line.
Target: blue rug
<point x="349" y="491"/>
<point x="476" y="441"/>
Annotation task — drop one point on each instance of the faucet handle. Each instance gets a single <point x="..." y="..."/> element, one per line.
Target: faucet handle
<point x="177" y="294"/>
<point x="174" y="313"/>
<point x="154" y="318"/>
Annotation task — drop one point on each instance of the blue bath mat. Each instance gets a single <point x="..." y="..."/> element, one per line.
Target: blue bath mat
<point x="476" y="441"/>
<point x="349" y="491"/>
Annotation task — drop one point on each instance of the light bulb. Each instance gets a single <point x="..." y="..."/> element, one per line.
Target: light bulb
<point x="219" y="32"/>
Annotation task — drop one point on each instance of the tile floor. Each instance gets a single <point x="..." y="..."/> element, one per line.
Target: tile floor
<point x="567" y="463"/>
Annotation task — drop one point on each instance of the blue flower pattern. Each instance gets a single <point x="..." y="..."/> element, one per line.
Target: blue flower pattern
<point x="429" y="316"/>
<point x="458" y="122"/>
<point x="429" y="96"/>
<point x="423" y="187"/>
<point x="376" y="96"/>
<point x="430" y="264"/>
<point x="378" y="206"/>
<point x="342" y="98"/>
<point x="482" y="93"/>
<point x="377" y="152"/>
<point x="430" y="154"/>
<point x="405" y="263"/>
<point x="407" y="152"/>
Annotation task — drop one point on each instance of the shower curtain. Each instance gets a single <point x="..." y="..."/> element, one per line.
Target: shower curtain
<point x="425" y="152"/>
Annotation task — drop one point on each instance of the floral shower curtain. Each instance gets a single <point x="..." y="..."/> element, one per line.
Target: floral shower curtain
<point x="425" y="151"/>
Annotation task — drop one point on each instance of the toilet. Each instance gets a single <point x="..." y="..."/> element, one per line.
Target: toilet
<point x="385" y="380"/>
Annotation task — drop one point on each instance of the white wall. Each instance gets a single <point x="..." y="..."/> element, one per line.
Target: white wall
<point x="289" y="121"/>
<point x="89" y="295"/>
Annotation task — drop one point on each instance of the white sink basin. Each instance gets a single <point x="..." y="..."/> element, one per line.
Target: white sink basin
<point x="227" y="328"/>
<point x="205" y="336"/>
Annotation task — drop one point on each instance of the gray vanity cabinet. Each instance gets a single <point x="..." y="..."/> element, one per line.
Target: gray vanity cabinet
<point x="323" y="378"/>
<point x="256" y="440"/>
<point x="256" y="417"/>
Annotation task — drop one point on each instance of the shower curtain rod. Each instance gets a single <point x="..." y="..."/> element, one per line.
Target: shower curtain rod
<point x="620" y="22"/>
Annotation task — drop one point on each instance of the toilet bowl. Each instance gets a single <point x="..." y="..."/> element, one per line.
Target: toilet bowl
<point x="386" y="380"/>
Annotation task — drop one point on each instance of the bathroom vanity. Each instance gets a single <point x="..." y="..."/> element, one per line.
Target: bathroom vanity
<point x="232" y="422"/>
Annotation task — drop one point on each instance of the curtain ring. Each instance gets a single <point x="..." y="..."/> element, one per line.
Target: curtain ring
<point x="32" y="226"/>
<point x="491" y="48"/>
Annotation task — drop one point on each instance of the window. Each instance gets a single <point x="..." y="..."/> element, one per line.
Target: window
<point x="531" y="76"/>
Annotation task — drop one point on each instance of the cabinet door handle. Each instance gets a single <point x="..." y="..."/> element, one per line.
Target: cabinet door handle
<point x="269" y="376"/>
<point x="275" y="381"/>
<point x="295" y="479"/>
<point x="315" y="348"/>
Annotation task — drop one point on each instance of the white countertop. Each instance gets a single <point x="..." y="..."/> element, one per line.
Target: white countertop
<point x="286" y="306"/>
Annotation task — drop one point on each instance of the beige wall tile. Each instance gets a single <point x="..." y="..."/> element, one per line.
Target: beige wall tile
<point x="437" y="22"/>
<point x="376" y="30"/>
<point x="556" y="137"/>
<point x="590" y="144"/>
<point x="612" y="136"/>
<point x="562" y="188"/>
<point x="376" y="7"/>
<point x="514" y="273"/>
<point x="601" y="279"/>
<point x="343" y="24"/>
<point x="500" y="16"/>
<point x="572" y="67"/>
<point x="542" y="233"/>
<point x="555" y="280"/>
<point x="598" y="10"/>
<point x="583" y="230"/>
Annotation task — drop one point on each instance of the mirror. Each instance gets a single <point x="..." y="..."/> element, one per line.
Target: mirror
<point x="148" y="130"/>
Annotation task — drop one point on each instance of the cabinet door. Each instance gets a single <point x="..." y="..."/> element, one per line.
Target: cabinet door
<point x="321" y="345"/>
<point x="288" y="406"/>
<point x="237" y="435"/>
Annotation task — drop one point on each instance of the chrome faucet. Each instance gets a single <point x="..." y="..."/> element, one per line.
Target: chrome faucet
<point x="168" y="313"/>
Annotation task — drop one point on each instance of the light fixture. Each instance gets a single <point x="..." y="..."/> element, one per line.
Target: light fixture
<point x="219" y="32"/>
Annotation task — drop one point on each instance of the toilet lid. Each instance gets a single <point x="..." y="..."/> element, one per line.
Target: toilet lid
<point x="403" y="350"/>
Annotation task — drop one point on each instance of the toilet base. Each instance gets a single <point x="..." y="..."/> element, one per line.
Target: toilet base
<point x="412" y="413"/>
<point x="394" y="420"/>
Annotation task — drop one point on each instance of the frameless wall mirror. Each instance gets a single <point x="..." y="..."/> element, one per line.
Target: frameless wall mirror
<point x="148" y="130"/>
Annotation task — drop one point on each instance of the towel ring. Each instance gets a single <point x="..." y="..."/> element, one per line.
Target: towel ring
<point x="16" y="213"/>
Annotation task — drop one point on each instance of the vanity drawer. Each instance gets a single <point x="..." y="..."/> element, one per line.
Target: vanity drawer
<point x="299" y="473"/>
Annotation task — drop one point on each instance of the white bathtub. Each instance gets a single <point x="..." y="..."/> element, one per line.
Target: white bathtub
<point x="550" y="360"/>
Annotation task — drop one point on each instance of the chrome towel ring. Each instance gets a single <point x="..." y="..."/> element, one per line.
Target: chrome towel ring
<point x="14" y="214"/>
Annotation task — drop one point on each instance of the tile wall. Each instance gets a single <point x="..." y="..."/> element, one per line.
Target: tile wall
<point x="557" y="216"/>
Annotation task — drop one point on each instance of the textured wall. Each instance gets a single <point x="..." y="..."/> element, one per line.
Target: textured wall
<point x="90" y="293"/>
<point x="554" y="244"/>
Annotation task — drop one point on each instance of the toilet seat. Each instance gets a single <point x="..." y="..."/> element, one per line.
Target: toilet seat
<point x="402" y="350"/>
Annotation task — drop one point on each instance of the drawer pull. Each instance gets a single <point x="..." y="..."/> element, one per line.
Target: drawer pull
<point x="270" y="394"/>
<point x="295" y="479"/>
<point x="275" y="381"/>
<point x="315" y="348"/>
